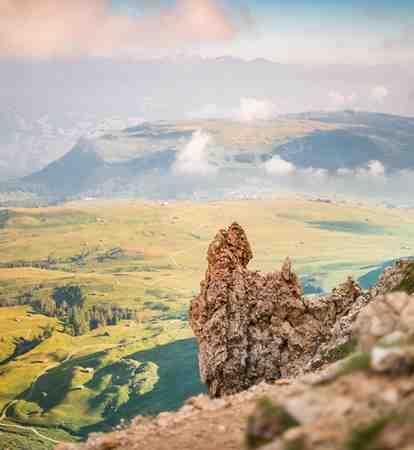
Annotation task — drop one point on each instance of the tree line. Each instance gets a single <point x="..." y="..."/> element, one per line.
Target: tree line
<point x="67" y="303"/>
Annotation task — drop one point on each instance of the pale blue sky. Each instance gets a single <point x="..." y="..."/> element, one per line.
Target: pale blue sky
<point x="308" y="31"/>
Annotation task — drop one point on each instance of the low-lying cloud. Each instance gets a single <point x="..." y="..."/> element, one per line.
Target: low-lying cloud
<point x="192" y="160"/>
<point x="60" y="28"/>
<point x="379" y="93"/>
<point x="252" y="109"/>
<point x="373" y="168"/>
<point x="279" y="167"/>
<point x="371" y="180"/>
<point x="249" y="109"/>
<point x="374" y="96"/>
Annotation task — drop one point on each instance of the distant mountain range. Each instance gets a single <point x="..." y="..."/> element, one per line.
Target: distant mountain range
<point x="45" y="112"/>
<point x="138" y="161"/>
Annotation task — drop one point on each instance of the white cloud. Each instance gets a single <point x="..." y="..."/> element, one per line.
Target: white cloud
<point x="252" y="109"/>
<point x="339" y="100"/>
<point x="374" y="168"/>
<point x="315" y="174"/>
<point x="192" y="158"/>
<point x="343" y="172"/>
<point x="279" y="167"/>
<point x="372" y="180"/>
<point x="379" y="93"/>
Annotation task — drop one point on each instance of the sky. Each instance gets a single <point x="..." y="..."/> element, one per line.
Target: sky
<point x="298" y="31"/>
<point x="77" y="61"/>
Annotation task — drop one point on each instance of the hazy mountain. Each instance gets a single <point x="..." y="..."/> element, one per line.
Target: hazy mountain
<point x="71" y="173"/>
<point x="227" y="157"/>
<point x="84" y="170"/>
<point x="46" y="107"/>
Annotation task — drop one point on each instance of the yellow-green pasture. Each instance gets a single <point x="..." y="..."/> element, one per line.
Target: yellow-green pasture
<point x="151" y="257"/>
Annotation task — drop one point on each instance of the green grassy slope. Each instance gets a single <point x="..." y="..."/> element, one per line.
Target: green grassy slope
<point x="151" y="258"/>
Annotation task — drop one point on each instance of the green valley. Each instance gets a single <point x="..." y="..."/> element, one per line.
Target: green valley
<point x="146" y="258"/>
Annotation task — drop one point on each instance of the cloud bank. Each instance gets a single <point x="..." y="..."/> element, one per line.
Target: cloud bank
<point x="193" y="158"/>
<point x="76" y="28"/>
<point x="282" y="168"/>
<point x="370" y="181"/>
<point x="252" y="109"/>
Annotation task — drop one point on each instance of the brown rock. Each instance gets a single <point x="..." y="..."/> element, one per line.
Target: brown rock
<point x="390" y="278"/>
<point x="389" y="317"/>
<point x="254" y="327"/>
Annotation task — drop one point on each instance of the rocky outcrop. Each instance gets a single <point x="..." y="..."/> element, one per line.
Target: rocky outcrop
<point x="388" y="317"/>
<point x="254" y="327"/>
<point x="392" y="277"/>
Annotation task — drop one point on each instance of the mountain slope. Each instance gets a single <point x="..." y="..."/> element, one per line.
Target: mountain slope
<point x="84" y="170"/>
<point x="70" y="173"/>
<point x="364" y="137"/>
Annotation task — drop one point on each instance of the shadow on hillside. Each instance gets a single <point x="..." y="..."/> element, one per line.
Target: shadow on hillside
<point x="179" y="380"/>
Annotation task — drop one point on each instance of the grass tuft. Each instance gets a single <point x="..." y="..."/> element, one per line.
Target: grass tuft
<point x="363" y="437"/>
<point x="268" y="422"/>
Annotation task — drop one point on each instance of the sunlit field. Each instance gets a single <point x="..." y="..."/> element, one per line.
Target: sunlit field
<point x="149" y="257"/>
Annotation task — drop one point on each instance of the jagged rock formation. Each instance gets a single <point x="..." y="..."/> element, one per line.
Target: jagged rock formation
<point x="254" y="327"/>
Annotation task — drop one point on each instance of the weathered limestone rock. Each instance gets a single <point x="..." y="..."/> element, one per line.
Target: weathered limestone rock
<point x="388" y="318"/>
<point x="390" y="278"/>
<point x="254" y="327"/>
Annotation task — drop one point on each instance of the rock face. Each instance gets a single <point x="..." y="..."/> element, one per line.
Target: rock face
<point x="390" y="278"/>
<point x="389" y="317"/>
<point x="254" y="327"/>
